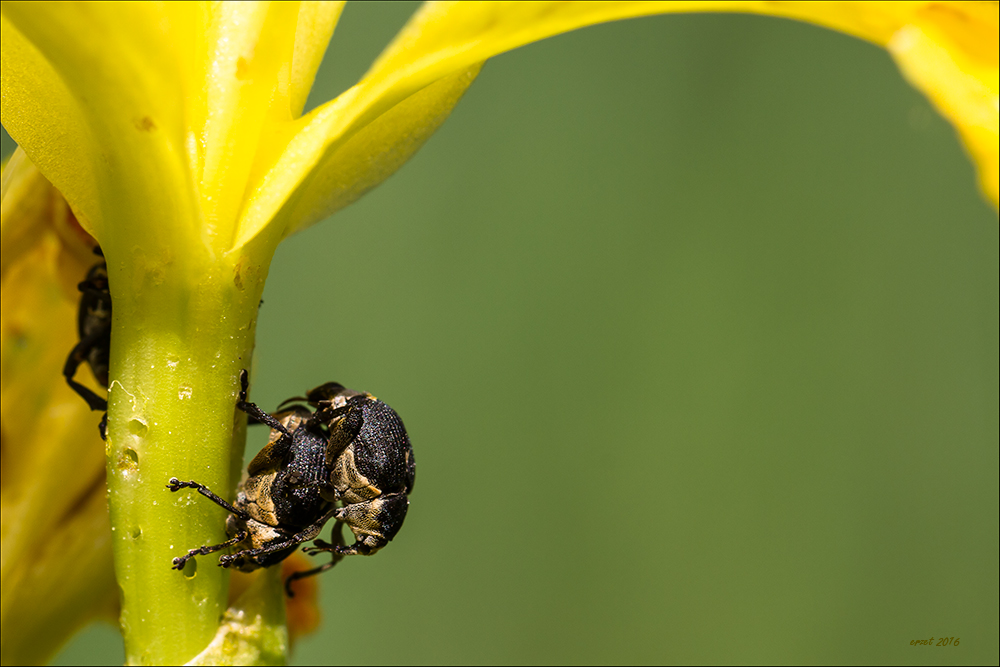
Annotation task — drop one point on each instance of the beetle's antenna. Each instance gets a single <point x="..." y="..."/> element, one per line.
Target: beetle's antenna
<point x="291" y="400"/>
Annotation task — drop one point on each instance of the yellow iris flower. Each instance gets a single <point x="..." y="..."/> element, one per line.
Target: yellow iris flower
<point x="175" y="133"/>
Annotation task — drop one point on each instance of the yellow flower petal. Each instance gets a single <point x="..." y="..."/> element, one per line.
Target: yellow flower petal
<point x="40" y="413"/>
<point x="155" y="114"/>
<point x="92" y="93"/>
<point x="32" y="207"/>
<point x="248" y="43"/>
<point x="954" y="63"/>
<point x="316" y="23"/>
<point x="36" y="102"/>
<point x="246" y="68"/>
<point x="444" y="38"/>
<point x="263" y="58"/>
<point x="65" y="582"/>
<point x="28" y="203"/>
<point x="332" y="161"/>
<point x="56" y="568"/>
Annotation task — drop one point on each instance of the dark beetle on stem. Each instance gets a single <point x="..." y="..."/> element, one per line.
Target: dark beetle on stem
<point x="345" y="447"/>
<point x="94" y="328"/>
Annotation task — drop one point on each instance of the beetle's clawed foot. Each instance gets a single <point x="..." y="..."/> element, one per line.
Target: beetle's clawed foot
<point x="176" y="485"/>
<point x="318" y="547"/>
<point x="228" y="560"/>
<point x="179" y="562"/>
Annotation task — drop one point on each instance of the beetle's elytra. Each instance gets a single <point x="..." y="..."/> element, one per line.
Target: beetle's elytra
<point x="335" y="454"/>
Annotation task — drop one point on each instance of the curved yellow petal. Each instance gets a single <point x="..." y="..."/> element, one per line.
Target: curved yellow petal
<point x="331" y="162"/>
<point x="376" y="151"/>
<point x="109" y="132"/>
<point x="347" y="146"/>
<point x="36" y="103"/>
<point x="952" y="58"/>
<point x="66" y="581"/>
<point x="31" y="208"/>
<point x="444" y="38"/>
<point x="226" y="81"/>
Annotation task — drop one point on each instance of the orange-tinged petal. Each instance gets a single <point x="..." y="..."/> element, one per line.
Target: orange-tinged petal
<point x="952" y="57"/>
<point x="64" y="582"/>
<point x="56" y="568"/>
<point x="301" y="611"/>
<point x="252" y="631"/>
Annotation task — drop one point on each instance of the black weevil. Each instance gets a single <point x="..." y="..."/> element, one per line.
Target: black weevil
<point x="345" y="447"/>
<point x="94" y="327"/>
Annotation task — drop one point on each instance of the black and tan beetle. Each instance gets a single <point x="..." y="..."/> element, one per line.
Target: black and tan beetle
<point x="94" y="327"/>
<point x="344" y="447"/>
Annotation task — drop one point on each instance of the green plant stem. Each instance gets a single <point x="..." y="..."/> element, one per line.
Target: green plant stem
<point x="183" y="329"/>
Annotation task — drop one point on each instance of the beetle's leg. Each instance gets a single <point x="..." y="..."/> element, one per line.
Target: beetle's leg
<point x="251" y="420"/>
<point x="345" y="431"/>
<point x="76" y="357"/>
<point x="258" y="416"/>
<point x="338" y="535"/>
<point x="254" y="411"/>
<point x="308" y="533"/>
<point x="176" y="485"/>
<point x="357" y="549"/>
<point x="322" y="546"/>
<point x="328" y="414"/>
<point x="302" y="574"/>
<point x="73" y="361"/>
<point x="178" y="563"/>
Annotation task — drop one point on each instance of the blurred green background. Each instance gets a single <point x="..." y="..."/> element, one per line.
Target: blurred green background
<point x="693" y="322"/>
